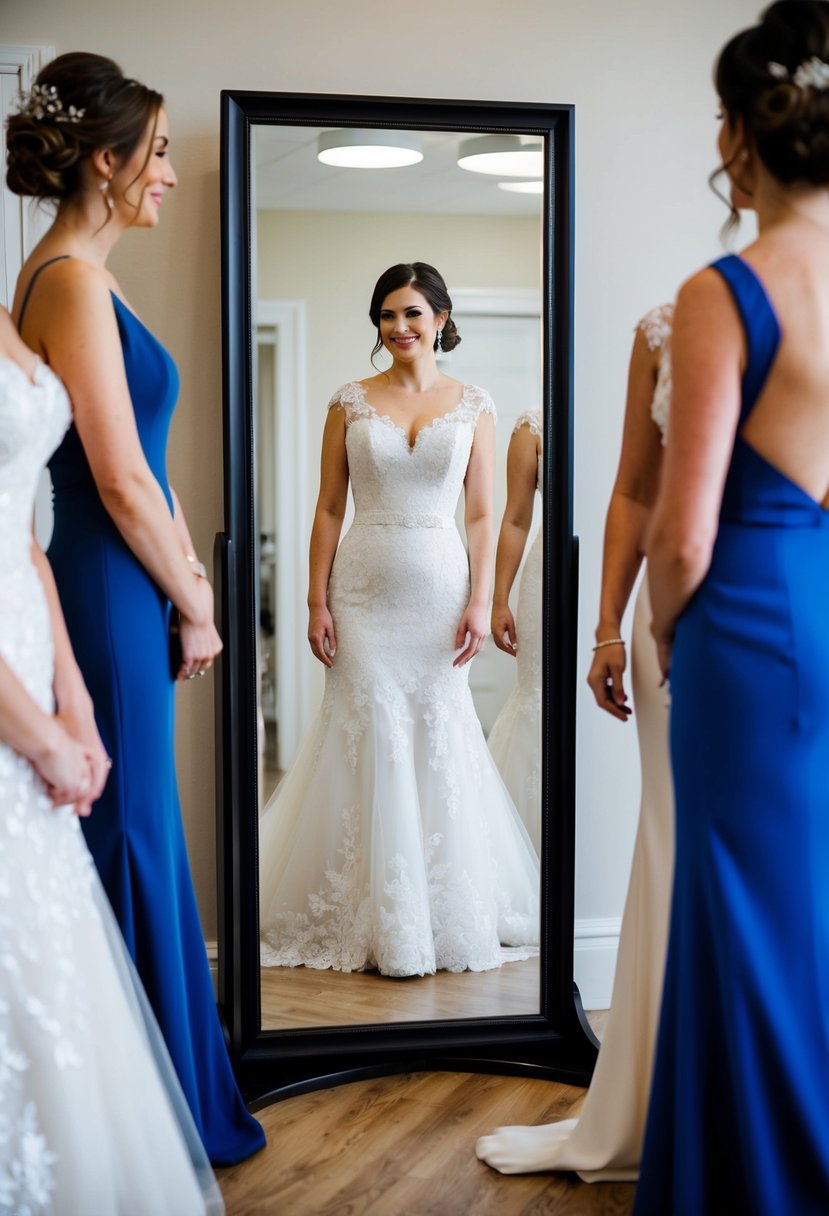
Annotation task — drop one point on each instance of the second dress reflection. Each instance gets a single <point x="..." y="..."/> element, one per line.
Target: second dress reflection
<point x="392" y="842"/>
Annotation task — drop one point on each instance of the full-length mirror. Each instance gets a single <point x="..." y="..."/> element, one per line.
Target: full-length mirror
<point x="383" y="866"/>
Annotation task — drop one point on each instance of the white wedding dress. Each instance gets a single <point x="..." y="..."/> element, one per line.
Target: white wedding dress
<point x="515" y="738"/>
<point x="87" y="1126"/>
<point x="605" y="1143"/>
<point x="392" y="842"/>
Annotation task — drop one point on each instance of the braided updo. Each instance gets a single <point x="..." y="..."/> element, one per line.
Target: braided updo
<point x="759" y="77"/>
<point x="45" y="154"/>
<point x="430" y="283"/>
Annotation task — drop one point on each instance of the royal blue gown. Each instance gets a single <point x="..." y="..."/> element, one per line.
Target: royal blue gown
<point x="118" y="623"/>
<point x="738" y="1121"/>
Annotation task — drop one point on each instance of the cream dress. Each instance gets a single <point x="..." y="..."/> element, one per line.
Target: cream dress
<point x="604" y="1144"/>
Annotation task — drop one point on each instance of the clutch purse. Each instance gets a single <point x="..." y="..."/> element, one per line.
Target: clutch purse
<point x="174" y="640"/>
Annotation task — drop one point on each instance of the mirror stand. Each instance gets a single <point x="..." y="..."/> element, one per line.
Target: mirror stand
<point x="556" y="1041"/>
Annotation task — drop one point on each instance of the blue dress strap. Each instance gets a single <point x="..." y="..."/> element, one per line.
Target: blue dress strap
<point x="762" y="329"/>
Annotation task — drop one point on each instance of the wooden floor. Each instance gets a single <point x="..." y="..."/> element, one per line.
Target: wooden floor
<point x="405" y="1146"/>
<point x="301" y="996"/>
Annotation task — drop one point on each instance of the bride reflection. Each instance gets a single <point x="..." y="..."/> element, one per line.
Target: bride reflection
<point x="391" y="843"/>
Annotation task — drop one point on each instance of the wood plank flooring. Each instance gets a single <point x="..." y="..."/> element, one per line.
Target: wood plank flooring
<point x="405" y="1146"/>
<point x="301" y="996"/>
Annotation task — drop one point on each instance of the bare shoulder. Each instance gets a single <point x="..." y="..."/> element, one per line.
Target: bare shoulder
<point x="705" y="289"/>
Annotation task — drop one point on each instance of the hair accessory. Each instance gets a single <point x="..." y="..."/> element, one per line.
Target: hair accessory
<point x="42" y="102"/>
<point x="439" y="336"/>
<point x="811" y="74"/>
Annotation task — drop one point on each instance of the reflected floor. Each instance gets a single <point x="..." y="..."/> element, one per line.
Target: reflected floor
<point x="300" y="996"/>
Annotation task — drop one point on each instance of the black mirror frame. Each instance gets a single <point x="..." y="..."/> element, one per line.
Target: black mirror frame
<point x="556" y="1043"/>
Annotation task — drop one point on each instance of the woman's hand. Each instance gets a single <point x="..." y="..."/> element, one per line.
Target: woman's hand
<point x="606" y="680"/>
<point x="78" y="720"/>
<point x="664" y="650"/>
<point x="200" y="641"/>
<point x="473" y="625"/>
<point x="321" y="634"/>
<point x="65" y="766"/>
<point x="503" y="629"/>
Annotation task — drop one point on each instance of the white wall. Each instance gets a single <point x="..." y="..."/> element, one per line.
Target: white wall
<point x="639" y="74"/>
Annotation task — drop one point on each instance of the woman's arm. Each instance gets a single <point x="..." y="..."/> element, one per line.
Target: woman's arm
<point x="708" y="350"/>
<point x="522" y="479"/>
<point x="631" y="503"/>
<point x="79" y="338"/>
<point x="200" y="641"/>
<point x="325" y="535"/>
<point x="74" y="705"/>
<point x="64" y="764"/>
<point x="478" y="488"/>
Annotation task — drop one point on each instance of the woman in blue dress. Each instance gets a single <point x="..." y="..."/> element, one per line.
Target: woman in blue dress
<point x="739" y="571"/>
<point x="96" y="143"/>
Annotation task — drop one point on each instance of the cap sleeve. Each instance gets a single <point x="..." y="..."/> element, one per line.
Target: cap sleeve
<point x="530" y="418"/>
<point x="480" y="402"/>
<point x="350" y="398"/>
<point x="656" y="325"/>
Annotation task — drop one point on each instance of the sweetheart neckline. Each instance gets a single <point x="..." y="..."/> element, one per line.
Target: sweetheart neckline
<point x="395" y="426"/>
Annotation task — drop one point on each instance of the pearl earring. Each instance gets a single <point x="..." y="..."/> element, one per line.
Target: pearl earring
<point x="104" y="188"/>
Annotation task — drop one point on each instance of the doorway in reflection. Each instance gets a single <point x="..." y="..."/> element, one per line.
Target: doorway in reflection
<point x="320" y="242"/>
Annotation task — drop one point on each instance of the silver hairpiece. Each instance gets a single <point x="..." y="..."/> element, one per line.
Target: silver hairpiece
<point x="42" y="102"/>
<point x="812" y="74"/>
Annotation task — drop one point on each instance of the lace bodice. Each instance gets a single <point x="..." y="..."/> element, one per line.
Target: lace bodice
<point x="33" y="418"/>
<point x="656" y="325"/>
<point x="409" y="486"/>
<point x="532" y="420"/>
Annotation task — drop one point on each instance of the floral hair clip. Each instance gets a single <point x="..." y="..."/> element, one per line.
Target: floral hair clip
<point x="43" y="102"/>
<point x="812" y="74"/>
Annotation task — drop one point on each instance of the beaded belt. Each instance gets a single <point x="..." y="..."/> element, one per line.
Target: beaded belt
<point x="403" y="519"/>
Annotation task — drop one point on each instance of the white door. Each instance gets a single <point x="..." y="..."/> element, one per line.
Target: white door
<point x="501" y="353"/>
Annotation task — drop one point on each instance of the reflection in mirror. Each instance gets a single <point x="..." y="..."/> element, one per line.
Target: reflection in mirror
<point x="323" y="236"/>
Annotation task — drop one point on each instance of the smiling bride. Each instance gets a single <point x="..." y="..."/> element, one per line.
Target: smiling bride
<point x="392" y="842"/>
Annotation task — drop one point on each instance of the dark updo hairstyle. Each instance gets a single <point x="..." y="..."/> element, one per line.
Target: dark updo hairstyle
<point x="45" y="155"/>
<point x="429" y="282"/>
<point x="788" y="123"/>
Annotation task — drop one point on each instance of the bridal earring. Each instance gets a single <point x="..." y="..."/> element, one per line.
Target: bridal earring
<point x="439" y="336"/>
<point x="105" y="192"/>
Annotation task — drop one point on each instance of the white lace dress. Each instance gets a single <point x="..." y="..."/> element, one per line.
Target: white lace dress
<point x="392" y="842"/>
<point x="515" y="738"/>
<point x="86" y="1124"/>
<point x="605" y="1143"/>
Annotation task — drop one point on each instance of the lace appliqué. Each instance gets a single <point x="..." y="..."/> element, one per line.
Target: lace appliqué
<point x="657" y="326"/>
<point x="532" y="420"/>
<point x="351" y="398"/>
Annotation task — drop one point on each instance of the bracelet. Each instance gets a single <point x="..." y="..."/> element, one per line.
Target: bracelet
<point x="198" y="567"/>
<point x="610" y="642"/>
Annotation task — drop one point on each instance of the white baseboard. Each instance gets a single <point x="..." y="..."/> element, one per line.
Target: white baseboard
<point x="596" y="944"/>
<point x="594" y="963"/>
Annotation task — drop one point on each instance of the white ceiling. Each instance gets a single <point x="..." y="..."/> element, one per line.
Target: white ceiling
<point x="289" y="177"/>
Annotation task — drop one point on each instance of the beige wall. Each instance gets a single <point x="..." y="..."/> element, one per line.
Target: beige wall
<point x="639" y="74"/>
